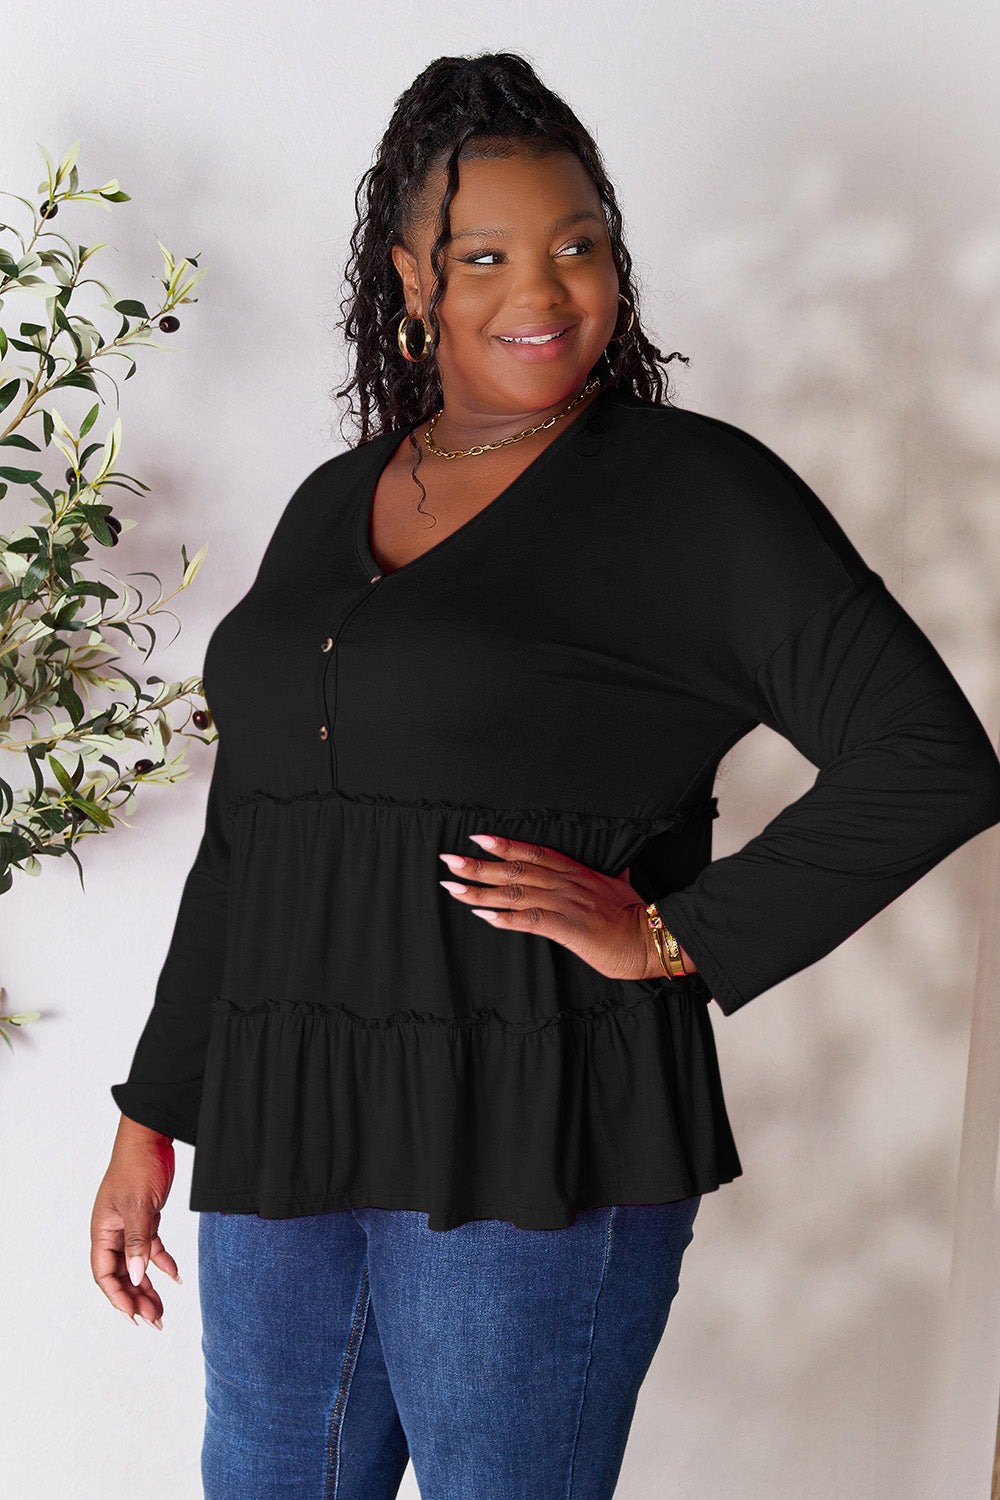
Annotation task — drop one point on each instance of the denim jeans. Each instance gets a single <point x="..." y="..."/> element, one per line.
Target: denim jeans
<point x="505" y="1361"/>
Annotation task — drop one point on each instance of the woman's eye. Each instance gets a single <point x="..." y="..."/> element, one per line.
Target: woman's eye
<point x="477" y="260"/>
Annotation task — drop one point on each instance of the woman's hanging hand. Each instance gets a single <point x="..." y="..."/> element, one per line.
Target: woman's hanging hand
<point x="531" y="888"/>
<point x="124" y="1225"/>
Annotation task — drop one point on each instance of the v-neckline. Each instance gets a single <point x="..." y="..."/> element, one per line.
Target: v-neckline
<point x="369" y="484"/>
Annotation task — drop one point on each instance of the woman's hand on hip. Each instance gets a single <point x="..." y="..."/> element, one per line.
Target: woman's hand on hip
<point x="532" y="888"/>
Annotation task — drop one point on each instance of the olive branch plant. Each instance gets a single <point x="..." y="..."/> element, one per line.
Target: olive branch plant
<point x="58" y="620"/>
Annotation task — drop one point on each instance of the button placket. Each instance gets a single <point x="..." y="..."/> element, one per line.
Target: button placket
<point x="326" y="647"/>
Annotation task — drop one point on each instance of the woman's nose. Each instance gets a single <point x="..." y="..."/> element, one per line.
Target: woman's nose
<point x="538" y="286"/>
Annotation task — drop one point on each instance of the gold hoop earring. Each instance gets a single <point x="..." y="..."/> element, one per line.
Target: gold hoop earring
<point x="631" y="319"/>
<point x="401" y="340"/>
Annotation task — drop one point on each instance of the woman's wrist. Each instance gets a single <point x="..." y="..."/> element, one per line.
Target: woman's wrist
<point x="130" y="1130"/>
<point x="690" y="967"/>
<point x="654" y="968"/>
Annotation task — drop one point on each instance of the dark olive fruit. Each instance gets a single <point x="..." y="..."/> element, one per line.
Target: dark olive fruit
<point x="200" y="719"/>
<point x="142" y="766"/>
<point x="70" y="476"/>
<point x="48" y="210"/>
<point x="114" y="523"/>
<point x="169" y="324"/>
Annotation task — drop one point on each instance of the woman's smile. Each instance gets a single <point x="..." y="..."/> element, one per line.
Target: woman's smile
<point x="540" y="347"/>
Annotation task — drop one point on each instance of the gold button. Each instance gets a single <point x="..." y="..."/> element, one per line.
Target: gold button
<point x="323" y="731"/>
<point x="327" y="643"/>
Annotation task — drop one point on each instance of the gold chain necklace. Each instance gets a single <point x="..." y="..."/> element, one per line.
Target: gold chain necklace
<point x="591" y="386"/>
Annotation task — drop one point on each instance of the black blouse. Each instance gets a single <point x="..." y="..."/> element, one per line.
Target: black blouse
<point x="330" y="1027"/>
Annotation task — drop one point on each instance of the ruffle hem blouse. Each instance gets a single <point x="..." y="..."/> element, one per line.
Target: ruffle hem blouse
<point x="330" y="1027"/>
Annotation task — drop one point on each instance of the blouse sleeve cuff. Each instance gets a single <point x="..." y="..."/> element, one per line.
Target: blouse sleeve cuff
<point x="171" y="1109"/>
<point x="676" y="916"/>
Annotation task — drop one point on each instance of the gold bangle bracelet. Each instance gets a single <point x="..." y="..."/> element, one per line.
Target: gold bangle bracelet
<point x="671" y="960"/>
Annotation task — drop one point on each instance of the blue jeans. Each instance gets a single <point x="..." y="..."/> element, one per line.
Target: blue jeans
<point x="506" y="1362"/>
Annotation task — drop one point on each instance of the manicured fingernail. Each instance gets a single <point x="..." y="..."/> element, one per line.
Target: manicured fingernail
<point x="130" y="1316"/>
<point x="486" y="839"/>
<point x="178" y="1280"/>
<point x="487" y="915"/>
<point x="136" y="1269"/>
<point x="451" y="860"/>
<point x="453" y="885"/>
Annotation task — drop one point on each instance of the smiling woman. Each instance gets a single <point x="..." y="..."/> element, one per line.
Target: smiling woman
<point x="530" y="307"/>
<point x="527" y="328"/>
<point x="452" y="1134"/>
<point x="532" y="277"/>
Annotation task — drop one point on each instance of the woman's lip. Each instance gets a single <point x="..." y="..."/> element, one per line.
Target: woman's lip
<point x="533" y="330"/>
<point x="538" y="353"/>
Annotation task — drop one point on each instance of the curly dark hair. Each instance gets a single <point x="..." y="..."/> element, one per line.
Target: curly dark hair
<point x="492" y="104"/>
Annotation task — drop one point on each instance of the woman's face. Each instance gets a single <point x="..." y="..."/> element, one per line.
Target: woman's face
<point x="530" y="254"/>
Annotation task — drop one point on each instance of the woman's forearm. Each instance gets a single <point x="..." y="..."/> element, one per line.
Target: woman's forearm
<point x="130" y="1131"/>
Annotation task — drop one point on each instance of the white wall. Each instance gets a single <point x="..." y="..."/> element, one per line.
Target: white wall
<point x="812" y="202"/>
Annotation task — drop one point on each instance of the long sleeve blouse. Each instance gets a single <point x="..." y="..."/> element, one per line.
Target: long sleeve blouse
<point x="330" y="1028"/>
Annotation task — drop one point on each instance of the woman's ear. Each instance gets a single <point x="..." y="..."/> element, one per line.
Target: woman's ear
<point x="406" y="264"/>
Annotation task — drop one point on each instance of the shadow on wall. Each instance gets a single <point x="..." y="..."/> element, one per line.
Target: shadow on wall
<point x="861" y="344"/>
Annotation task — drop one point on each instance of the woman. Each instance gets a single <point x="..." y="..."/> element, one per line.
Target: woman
<point x="435" y="1006"/>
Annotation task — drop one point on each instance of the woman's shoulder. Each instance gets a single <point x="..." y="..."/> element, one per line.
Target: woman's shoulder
<point x="351" y="461"/>
<point x="720" y="480"/>
<point x="708" y="449"/>
<point x="336" y="476"/>
<point x="325" y="490"/>
<point x="686" y="430"/>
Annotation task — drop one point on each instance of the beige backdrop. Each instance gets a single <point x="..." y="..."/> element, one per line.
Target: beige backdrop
<point x="812" y="202"/>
